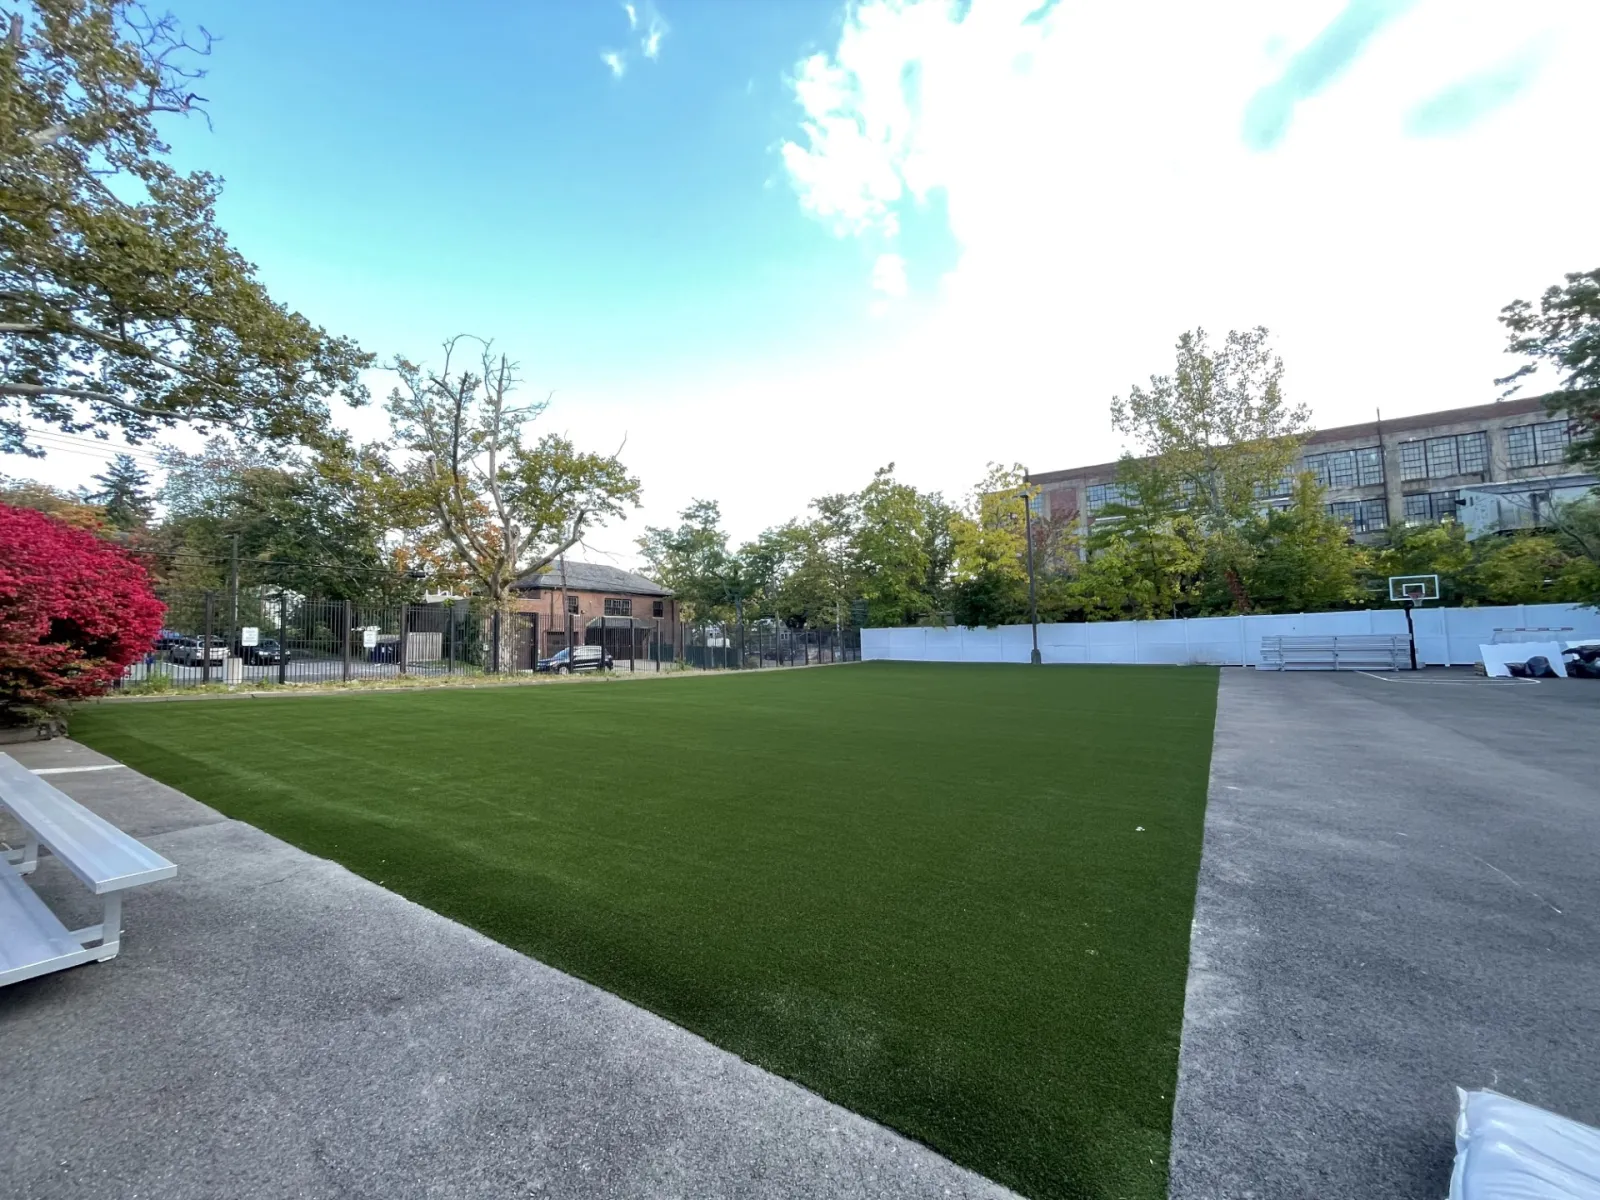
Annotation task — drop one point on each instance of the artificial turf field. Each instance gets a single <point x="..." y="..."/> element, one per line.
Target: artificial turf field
<point x="955" y="898"/>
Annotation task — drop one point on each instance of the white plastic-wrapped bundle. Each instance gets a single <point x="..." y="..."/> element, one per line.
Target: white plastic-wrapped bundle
<point x="1508" y="1150"/>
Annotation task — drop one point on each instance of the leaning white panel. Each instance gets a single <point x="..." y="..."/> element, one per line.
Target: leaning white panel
<point x="1506" y="1149"/>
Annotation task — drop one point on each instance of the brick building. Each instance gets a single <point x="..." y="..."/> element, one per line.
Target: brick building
<point x="1382" y="474"/>
<point x="607" y="605"/>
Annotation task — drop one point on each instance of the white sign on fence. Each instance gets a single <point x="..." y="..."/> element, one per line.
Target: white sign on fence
<point x="249" y="635"/>
<point x="369" y="637"/>
<point x="1445" y="636"/>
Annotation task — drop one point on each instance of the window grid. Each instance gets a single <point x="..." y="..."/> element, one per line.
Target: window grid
<point x="572" y="604"/>
<point x="1472" y="451"/>
<point x="618" y="608"/>
<point x="1369" y="466"/>
<point x="1102" y="494"/>
<point x="1363" y="516"/>
<point x="1424" y="508"/>
<point x="1412" y="463"/>
<point x="1538" y="445"/>
<point x="1441" y="457"/>
<point x="658" y="608"/>
<point x="1551" y="440"/>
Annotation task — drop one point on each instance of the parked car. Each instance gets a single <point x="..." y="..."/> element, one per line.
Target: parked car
<point x="166" y="637"/>
<point x="579" y="658"/>
<point x="192" y="652"/>
<point x="267" y="650"/>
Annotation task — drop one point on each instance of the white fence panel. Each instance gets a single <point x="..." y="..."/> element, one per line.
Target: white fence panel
<point x="1445" y="636"/>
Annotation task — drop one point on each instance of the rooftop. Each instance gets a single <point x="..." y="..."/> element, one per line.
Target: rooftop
<point x="593" y="577"/>
<point x="1366" y="429"/>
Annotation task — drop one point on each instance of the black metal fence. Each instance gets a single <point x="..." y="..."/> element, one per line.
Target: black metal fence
<point x="265" y="636"/>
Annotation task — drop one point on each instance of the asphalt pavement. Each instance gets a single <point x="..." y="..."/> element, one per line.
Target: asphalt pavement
<point x="1398" y="896"/>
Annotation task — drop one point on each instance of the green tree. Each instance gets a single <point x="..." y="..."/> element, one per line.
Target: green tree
<point x="1441" y="549"/>
<point x="73" y="509"/>
<point x="121" y="301"/>
<point x="1146" y="551"/>
<point x="1222" y="430"/>
<point x="692" y="560"/>
<point x="1304" y="560"/>
<point x="124" y="494"/>
<point x="1564" y="333"/>
<point x="318" y="528"/>
<point x="505" y="509"/>
<point x="1535" y="568"/>
<point x="892" y="550"/>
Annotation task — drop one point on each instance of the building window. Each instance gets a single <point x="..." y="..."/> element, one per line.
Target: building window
<point x="1363" y="516"/>
<point x="1036" y="506"/>
<point x="1472" y="453"/>
<point x="1538" y="445"/>
<point x="1412" y="463"/>
<point x="1441" y="457"/>
<point x="618" y="608"/>
<point x="658" y="609"/>
<point x="1551" y="441"/>
<point x="1282" y="486"/>
<point x="1346" y="468"/>
<point x="572" y="604"/>
<point x="1369" y="466"/>
<point x="1102" y="494"/>
<point x="1424" y="508"/>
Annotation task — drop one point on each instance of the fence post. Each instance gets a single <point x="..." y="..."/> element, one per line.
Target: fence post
<point x="205" y="639"/>
<point x="405" y="642"/>
<point x="283" y="636"/>
<point x="494" y="640"/>
<point x="349" y="618"/>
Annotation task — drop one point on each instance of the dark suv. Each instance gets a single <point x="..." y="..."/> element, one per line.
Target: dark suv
<point x="267" y="650"/>
<point x="579" y="658"/>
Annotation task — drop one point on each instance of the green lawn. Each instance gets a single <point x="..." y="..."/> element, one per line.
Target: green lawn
<point x="921" y="890"/>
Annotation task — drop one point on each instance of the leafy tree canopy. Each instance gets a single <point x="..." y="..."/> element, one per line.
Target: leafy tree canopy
<point x="121" y="302"/>
<point x="124" y="494"/>
<point x="1563" y="333"/>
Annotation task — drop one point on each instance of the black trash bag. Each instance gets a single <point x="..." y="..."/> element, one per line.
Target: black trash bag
<point x="1537" y="667"/>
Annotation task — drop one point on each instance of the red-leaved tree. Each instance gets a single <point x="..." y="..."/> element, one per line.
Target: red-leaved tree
<point x="74" y="613"/>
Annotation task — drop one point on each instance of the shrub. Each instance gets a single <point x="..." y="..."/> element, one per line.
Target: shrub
<point x="74" y="613"/>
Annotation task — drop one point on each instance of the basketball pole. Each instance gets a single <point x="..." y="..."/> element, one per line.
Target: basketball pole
<point x="1411" y="632"/>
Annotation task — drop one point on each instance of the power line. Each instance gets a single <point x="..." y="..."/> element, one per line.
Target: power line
<point x="261" y="562"/>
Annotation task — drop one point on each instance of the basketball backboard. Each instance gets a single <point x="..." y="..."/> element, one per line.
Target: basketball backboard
<point x="1415" y="588"/>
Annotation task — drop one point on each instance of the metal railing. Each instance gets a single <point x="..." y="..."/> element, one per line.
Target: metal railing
<point x="266" y="637"/>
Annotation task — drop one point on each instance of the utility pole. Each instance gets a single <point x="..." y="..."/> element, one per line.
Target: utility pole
<point x="233" y="597"/>
<point x="566" y="609"/>
<point x="1033" y="596"/>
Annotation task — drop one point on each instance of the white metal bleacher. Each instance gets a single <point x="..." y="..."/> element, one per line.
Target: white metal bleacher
<point x="33" y="941"/>
<point x="1336" y="652"/>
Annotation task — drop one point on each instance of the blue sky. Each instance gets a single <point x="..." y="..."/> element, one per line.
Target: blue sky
<point x="801" y="240"/>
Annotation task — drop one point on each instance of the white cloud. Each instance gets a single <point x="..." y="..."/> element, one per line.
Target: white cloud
<point x="1102" y="199"/>
<point x="617" y="63"/>
<point x="889" y="275"/>
<point x="656" y="28"/>
<point x="633" y="16"/>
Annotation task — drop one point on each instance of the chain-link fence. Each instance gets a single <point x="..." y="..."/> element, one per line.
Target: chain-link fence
<point x="268" y="636"/>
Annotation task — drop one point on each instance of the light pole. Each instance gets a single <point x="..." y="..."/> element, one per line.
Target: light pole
<point x="1033" y="597"/>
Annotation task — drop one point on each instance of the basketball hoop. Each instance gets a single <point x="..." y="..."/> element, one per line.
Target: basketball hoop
<point x="1412" y="590"/>
<point x="1415" y="589"/>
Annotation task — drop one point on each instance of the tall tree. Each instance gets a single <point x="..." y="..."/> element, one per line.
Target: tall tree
<point x="121" y="301"/>
<point x="506" y="509"/>
<point x="124" y="494"/>
<point x="67" y="507"/>
<point x="891" y="550"/>
<point x="317" y="527"/>
<point x="1564" y="333"/>
<point x="1146" y="551"/>
<point x="692" y="559"/>
<point x="1222" y="429"/>
<point x="1304" y="560"/>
